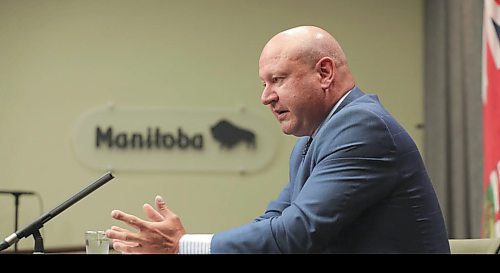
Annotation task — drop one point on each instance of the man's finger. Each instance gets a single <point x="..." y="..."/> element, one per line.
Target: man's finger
<point x="129" y="219"/>
<point x="130" y="244"/>
<point x="114" y="228"/>
<point x="118" y="229"/>
<point x="161" y="206"/>
<point x="124" y="247"/>
<point x="123" y="235"/>
<point x="152" y="214"/>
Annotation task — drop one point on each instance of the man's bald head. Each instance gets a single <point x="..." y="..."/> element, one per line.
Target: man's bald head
<point x="305" y="43"/>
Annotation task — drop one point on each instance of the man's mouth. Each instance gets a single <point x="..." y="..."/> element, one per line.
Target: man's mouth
<point x="281" y="114"/>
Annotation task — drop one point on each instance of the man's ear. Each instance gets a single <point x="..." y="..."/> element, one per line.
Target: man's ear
<point x="326" y="69"/>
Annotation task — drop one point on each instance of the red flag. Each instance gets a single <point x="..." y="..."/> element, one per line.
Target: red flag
<point x="491" y="118"/>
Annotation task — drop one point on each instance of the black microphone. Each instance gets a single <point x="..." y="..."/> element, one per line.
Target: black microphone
<point x="18" y="192"/>
<point x="37" y="224"/>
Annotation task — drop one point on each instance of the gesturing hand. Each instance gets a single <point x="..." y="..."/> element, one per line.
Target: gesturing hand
<point x="161" y="235"/>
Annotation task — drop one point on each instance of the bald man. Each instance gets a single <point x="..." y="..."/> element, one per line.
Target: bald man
<point x="357" y="182"/>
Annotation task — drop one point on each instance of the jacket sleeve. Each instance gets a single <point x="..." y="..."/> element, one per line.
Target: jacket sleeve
<point x="353" y="169"/>
<point x="276" y="207"/>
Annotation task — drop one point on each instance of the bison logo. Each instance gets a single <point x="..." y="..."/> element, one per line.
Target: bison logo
<point x="228" y="135"/>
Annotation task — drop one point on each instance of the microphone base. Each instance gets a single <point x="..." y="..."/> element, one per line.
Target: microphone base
<point x="39" y="249"/>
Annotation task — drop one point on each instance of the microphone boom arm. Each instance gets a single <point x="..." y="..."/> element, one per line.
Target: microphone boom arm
<point x="37" y="224"/>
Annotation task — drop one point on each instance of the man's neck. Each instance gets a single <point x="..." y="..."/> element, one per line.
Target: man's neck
<point x="330" y="114"/>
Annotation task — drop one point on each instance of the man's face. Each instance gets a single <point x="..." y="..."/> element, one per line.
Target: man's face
<point x="293" y="92"/>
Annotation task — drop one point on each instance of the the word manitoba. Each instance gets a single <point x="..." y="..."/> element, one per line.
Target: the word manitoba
<point x="152" y="138"/>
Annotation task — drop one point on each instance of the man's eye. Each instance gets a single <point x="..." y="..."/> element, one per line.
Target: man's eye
<point x="276" y="79"/>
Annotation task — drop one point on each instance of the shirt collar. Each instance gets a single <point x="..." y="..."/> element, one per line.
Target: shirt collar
<point x="331" y="112"/>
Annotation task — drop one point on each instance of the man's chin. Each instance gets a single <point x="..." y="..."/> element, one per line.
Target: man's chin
<point x="286" y="131"/>
<point x="289" y="132"/>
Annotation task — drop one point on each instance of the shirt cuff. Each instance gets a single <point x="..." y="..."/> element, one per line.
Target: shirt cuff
<point x="195" y="243"/>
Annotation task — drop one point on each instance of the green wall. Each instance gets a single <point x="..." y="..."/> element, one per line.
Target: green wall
<point x="58" y="59"/>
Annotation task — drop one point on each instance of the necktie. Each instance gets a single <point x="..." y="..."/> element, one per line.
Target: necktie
<point x="306" y="147"/>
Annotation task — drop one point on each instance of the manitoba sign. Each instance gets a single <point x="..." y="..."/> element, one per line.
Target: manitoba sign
<point x="166" y="139"/>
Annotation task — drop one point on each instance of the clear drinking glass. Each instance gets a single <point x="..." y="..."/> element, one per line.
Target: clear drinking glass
<point x="96" y="242"/>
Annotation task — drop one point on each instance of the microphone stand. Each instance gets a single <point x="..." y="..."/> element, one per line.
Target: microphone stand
<point x="16" y="195"/>
<point x="16" y="215"/>
<point x="33" y="228"/>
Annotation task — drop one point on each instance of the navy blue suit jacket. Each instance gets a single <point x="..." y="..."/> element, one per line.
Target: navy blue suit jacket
<point x="362" y="187"/>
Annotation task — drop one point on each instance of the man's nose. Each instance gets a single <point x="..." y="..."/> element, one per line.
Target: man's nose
<point x="268" y="96"/>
